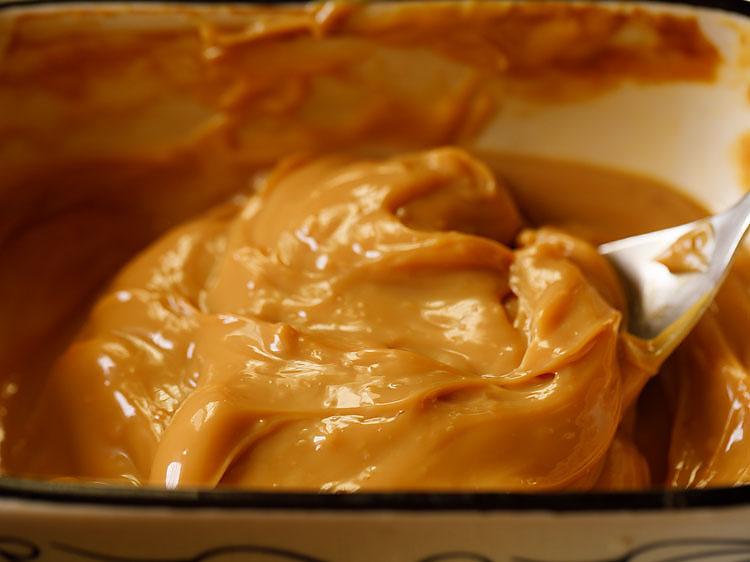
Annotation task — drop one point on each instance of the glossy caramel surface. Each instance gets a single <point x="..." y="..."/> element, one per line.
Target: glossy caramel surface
<point x="370" y="324"/>
<point x="340" y="298"/>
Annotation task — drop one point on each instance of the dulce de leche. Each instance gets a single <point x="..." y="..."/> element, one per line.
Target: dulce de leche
<point x="355" y="325"/>
<point x="383" y="310"/>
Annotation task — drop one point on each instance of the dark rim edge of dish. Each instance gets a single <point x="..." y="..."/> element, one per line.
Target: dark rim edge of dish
<point x="197" y="498"/>
<point x="104" y="495"/>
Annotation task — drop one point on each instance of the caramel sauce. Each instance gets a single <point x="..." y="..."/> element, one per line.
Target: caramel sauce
<point x="373" y="313"/>
<point x="688" y="253"/>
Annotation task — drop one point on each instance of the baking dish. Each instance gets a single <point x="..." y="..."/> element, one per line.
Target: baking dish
<point x="688" y="133"/>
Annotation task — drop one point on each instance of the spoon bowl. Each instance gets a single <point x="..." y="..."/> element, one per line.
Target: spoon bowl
<point x="672" y="275"/>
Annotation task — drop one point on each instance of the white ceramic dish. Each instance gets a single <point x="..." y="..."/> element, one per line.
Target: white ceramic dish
<point x="688" y="134"/>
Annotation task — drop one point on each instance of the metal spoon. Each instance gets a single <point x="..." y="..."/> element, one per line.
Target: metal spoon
<point x="664" y="306"/>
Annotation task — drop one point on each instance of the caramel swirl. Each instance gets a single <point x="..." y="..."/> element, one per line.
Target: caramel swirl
<point x="375" y="318"/>
<point x="356" y="325"/>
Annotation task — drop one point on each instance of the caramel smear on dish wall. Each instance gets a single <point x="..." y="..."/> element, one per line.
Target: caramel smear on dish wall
<point x="333" y="300"/>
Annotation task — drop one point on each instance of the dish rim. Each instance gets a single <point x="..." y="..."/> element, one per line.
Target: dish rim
<point x="237" y="499"/>
<point x="403" y="501"/>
